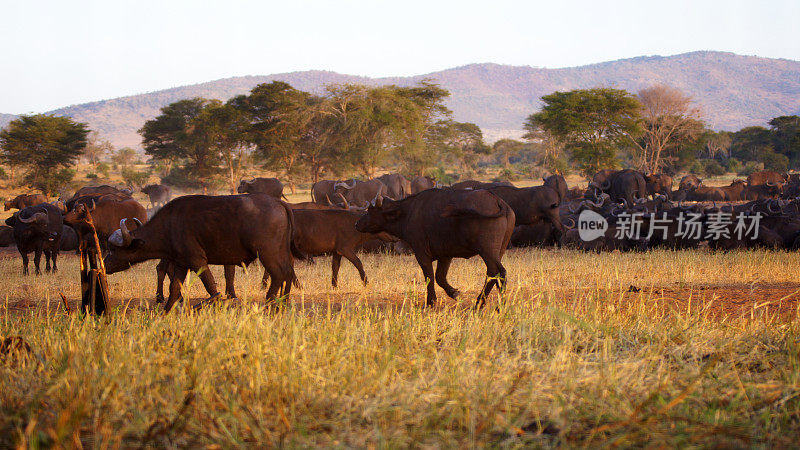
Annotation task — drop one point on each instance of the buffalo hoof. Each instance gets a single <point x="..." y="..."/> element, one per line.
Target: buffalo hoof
<point x="453" y="293"/>
<point x="209" y="301"/>
<point x="159" y="299"/>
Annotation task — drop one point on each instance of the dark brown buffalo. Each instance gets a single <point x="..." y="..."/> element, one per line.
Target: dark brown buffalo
<point x="537" y="235"/>
<point x="25" y="200"/>
<point x="689" y="182"/>
<point x="658" y="183"/>
<point x="397" y="186"/>
<point x="531" y="205"/>
<point x="106" y="212"/>
<point x="558" y="184"/>
<point x="311" y="205"/>
<point x="333" y="232"/>
<point x="194" y="231"/>
<point x="69" y="239"/>
<point x="159" y="194"/>
<point x="6" y="236"/>
<point x="37" y="229"/>
<point x="475" y="184"/>
<point x="706" y="194"/>
<point x="270" y="186"/>
<point x="734" y="192"/>
<point x="601" y="179"/>
<point x="766" y="176"/>
<point x="359" y="193"/>
<point x="322" y="192"/>
<point x="442" y="224"/>
<point x="422" y="183"/>
<point x="762" y="191"/>
<point x="628" y="185"/>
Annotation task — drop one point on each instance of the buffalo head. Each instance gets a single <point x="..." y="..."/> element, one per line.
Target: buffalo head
<point x="244" y="186"/>
<point x="123" y="247"/>
<point x="382" y="215"/>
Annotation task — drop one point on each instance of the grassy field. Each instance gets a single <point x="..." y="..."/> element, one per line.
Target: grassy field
<point x="659" y="348"/>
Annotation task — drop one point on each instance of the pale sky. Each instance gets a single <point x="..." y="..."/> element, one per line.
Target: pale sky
<point x="57" y="53"/>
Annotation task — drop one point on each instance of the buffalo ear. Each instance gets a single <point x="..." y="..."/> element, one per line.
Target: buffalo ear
<point x="11" y="220"/>
<point x="392" y="212"/>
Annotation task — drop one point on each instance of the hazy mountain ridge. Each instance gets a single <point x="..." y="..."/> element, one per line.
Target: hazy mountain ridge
<point x="733" y="90"/>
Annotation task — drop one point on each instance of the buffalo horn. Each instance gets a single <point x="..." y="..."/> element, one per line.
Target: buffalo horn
<point x="126" y="235"/>
<point x="34" y="218"/>
<point x="344" y="200"/>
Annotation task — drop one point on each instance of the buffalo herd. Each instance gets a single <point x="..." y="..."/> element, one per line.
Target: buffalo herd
<point x="392" y="213"/>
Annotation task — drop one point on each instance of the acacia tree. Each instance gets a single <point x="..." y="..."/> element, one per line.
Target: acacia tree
<point x="226" y="129"/>
<point x="179" y="137"/>
<point x="464" y="142"/>
<point x="279" y="117"/>
<point x="423" y="127"/>
<point x="369" y="123"/>
<point x="592" y="123"/>
<point x="96" y="148"/>
<point x="667" y="120"/>
<point x="44" y="146"/>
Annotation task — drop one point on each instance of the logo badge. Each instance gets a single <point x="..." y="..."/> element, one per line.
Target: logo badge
<point x="591" y="225"/>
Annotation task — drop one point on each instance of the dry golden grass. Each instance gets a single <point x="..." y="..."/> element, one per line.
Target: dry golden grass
<point x="705" y="353"/>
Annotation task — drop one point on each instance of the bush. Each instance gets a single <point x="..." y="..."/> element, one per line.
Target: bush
<point x="134" y="178"/>
<point x="440" y="174"/>
<point x="734" y="165"/>
<point x="52" y="182"/>
<point x="91" y="176"/>
<point x="775" y="161"/>
<point x="750" y="167"/>
<point x="103" y="169"/>
<point x="506" y="175"/>
<point x="713" y="168"/>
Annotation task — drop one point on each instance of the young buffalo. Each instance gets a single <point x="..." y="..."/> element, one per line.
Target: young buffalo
<point x="442" y="224"/>
<point x="322" y="232"/>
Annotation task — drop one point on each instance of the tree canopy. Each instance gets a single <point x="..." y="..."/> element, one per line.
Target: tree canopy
<point x="45" y="147"/>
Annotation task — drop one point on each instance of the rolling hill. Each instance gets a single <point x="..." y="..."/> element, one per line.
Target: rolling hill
<point x="733" y="91"/>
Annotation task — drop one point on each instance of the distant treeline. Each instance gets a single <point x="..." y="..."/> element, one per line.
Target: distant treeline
<point x="360" y="130"/>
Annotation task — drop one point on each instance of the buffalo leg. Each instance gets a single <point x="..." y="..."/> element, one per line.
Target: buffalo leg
<point x="280" y="283"/>
<point x="230" y="274"/>
<point x="46" y="260"/>
<point x="24" y="263"/>
<point x="426" y="264"/>
<point x="204" y="273"/>
<point x="351" y="256"/>
<point x="442" y="266"/>
<point x="54" y="257"/>
<point x="175" y="284"/>
<point x="161" y="272"/>
<point x="336" y="261"/>
<point x="37" y="258"/>
<point x="495" y="275"/>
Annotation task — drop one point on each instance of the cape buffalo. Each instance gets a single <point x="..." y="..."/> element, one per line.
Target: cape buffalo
<point x="197" y="230"/>
<point x="333" y="232"/>
<point x="322" y="191"/>
<point x="422" y="183"/>
<point x="6" y="236"/>
<point x="37" y="229"/>
<point x="106" y="214"/>
<point x="474" y="184"/>
<point x="558" y="184"/>
<point x="766" y="176"/>
<point x="689" y="182"/>
<point x="159" y="194"/>
<point x="69" y="239"/>
<point x="25" y="200"/>
<point x="628" y="185"/>
<point x="706" y="194"/>
<point x="270" y="186"/>
<point x="442" y="224"/>
<point x="532" y="204"/>
<point x="359" y="193"/>
<point x="601" y="179"/>
<point x="734" y="191"/>
<point x="397" y="186"/>
<point x="658" y="183"/>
